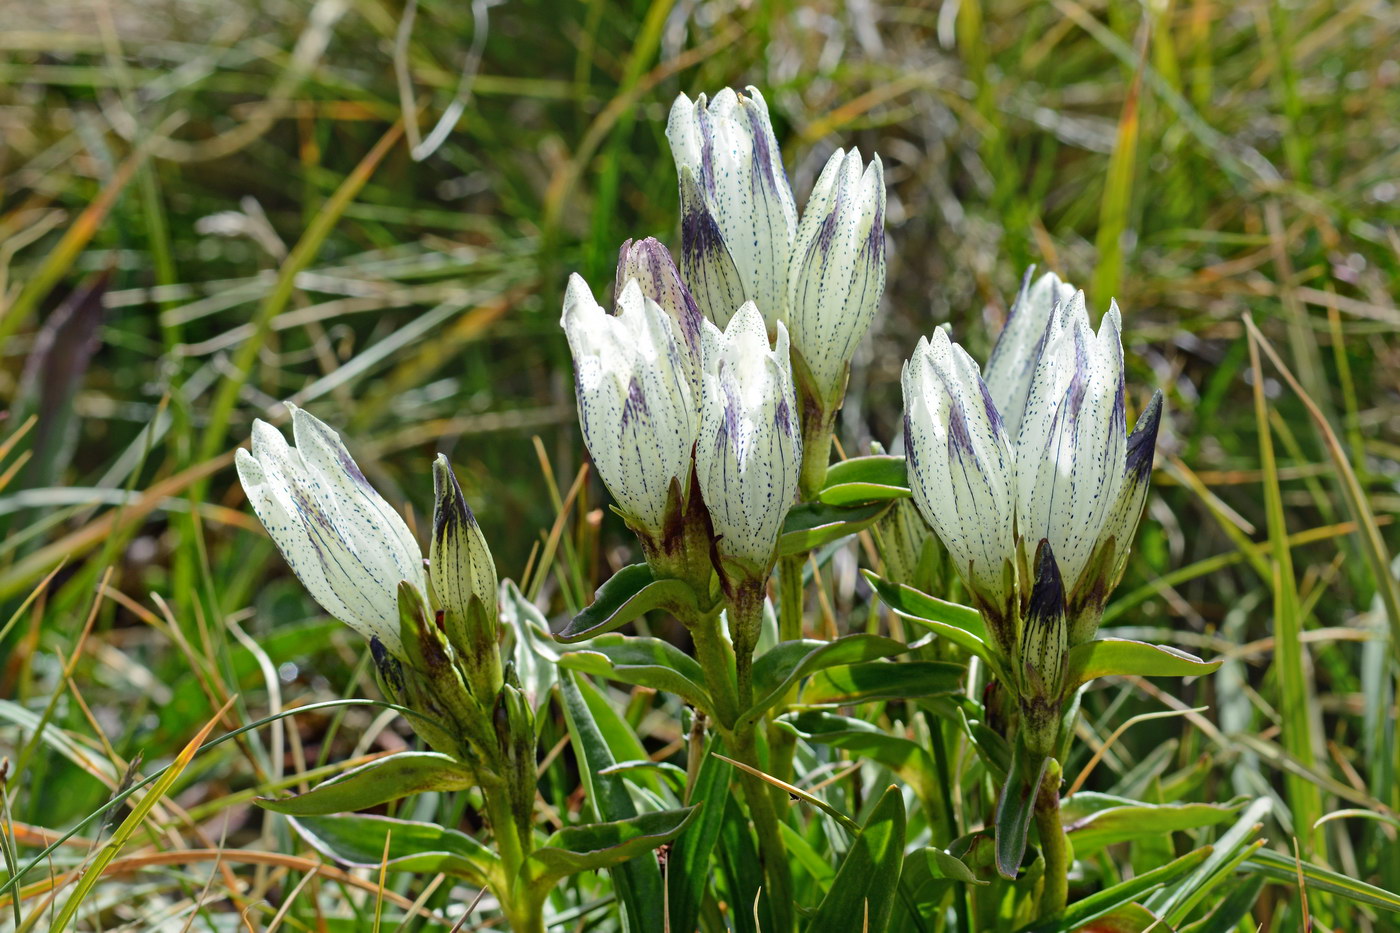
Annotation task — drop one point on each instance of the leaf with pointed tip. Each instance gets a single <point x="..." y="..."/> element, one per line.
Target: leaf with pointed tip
<point x="776" y="671"/>
<point x="594" y="846"/>
<point x="358" y="839"/>
<point x="849" y="684"/>
<point x="535" y="654"/>
<point x="962" y="625"/>
<point x="644" y="661"/>
<point x="1102" y="903"/>
<point x="377" y="782"/>
<point x="631" y="592"/>
<point x="1015" y="807"/>
<point x="942" y="864"/>
<point x="1107" y="657"/>
<point x="1285" y="868"/>
<point x="907" y="758"/>
<point x="877" y="478"/>
<point x="688" y="867"/>
<point x="812" y="524"/>
<point x="1094" y="820"/>
<point x="862" y="895"/>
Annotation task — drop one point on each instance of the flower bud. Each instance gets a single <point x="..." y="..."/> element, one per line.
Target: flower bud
<point x="463" y="575"/>
<point x="961" y="468"/>
<point x="651" y="266"/>
<point x="347" y="546"/>
<point x="749" y="451"/>
<point x="837" y="272"/>
<point x="636" y="406"/>
<point x="737" y="211"/>
<point x="1073" y="438"/>
<point x="1044" y="655"/>
<point x="1011" y="368"/>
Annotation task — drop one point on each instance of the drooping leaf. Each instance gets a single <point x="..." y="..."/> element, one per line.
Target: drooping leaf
<point x="637" y="882"/>
<point x="376" y="782"/>
<point x="1015" y="806"/>
<point x="775" y="671"/>
<point x="1106" y="657"/>
<point x="909" y="759"/>
<point x="594" y="846"/>
<point x="862" y="896"/>
<point x="961" y="625"/>
<point x="688" y="866"/>
<point x="849" y="684"/>
<point x="631" y="592"/>
<point x="358" y="839"/>
<point x="876" y="478"/>
<point x="1096" y="820"/>
<point x="647" y="662"/>
<point x="812" y="524"/>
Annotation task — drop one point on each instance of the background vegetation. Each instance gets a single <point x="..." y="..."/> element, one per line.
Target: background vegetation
<point x="210" y="207"/>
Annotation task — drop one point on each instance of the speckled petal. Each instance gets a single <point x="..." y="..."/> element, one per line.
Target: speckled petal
<point x="1012" y="366"/>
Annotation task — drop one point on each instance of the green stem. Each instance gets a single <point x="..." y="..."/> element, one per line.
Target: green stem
<point x="790" y="596"/>
<point x="772" y="852"/>
<point x="717" y="660"/>
<point x="817" y="425"/>
<point x="1054" y="845"/>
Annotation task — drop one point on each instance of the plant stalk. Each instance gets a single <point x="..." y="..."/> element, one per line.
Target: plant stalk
<point x="772" y="851"/>
<point x="1054" y="845"/>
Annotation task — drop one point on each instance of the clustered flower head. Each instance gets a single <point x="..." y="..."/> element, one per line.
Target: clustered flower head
<point x="1029" y="476"/>
<point x="764" y="316"/>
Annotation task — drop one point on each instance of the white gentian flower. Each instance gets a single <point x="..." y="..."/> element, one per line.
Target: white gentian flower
<point x="837" y="272"/>
<point x="738" y="216"/>
<point x="1073" y="437"/>
<point x="349" y="548"/>
<point x="961" y="465"/>
<point x="749" y="451"/>
<point x="651" y="265"/>
<point x="635" y="402"/>
<point x="1011" y="368"/>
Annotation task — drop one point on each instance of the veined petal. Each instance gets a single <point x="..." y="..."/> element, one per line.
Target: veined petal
<point x="345" y="544"/>
<point x="749" y="451"/>
<point x="650" y="263"/>
<point x="636" y="406"/>
<point x="708" y="266"/>
<point x="961" y="466"/>
<point x="1073" y="438"/>
<point x="837" y="271"/>
<point x="728" y="146"/>
<point x="459" y="559"/>
<point x="1122" y="521"/>
<point x="1010" y="370"/>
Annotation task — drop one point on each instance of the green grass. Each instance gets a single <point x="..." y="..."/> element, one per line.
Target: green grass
<point x="1212" y="163"/>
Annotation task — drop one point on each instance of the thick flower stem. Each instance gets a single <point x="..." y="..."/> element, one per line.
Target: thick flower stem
<point x="522" y="905"/>
<point x="817" y="425"/>
<point x="1054" y="845"/>
<point x="718" y="662"/>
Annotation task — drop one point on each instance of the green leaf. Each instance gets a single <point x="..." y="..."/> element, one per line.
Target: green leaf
<point x="862" y="895"/>
<point x="743" y="873"/>
<point x="1102" y="903"/>
<point x="377" y="782"/>
<point x="357" y="839"/>
<point x="1096" y="820"/>
<point x="877" y="478"/>
<point x="775" y="671"/>
<point x="882" y="680"/>
<point x="1230" y="912"/>
<point x="812" y="524"/>
<point x="688" y="867"/>
<point x="637" y="883"/>
<point x="647" y="662"/>
<point x="945" y="865"/>
<point x="909" y="759"/>
<point x="1015" y="806"/>
<point x="594" y="846"/>
<point x="1284" y="868"/>
<point x="534" y="652"/>
<point x="631" y="592"/>
<point x="1107" y="657"/>
<point x="962" y="625"/>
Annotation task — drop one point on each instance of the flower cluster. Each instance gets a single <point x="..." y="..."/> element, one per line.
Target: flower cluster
<point x="1027" y="472"/>
<point x="698" y="372"/>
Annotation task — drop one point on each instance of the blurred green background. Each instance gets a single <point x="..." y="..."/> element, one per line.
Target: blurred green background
<point x="208" y="208"/>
